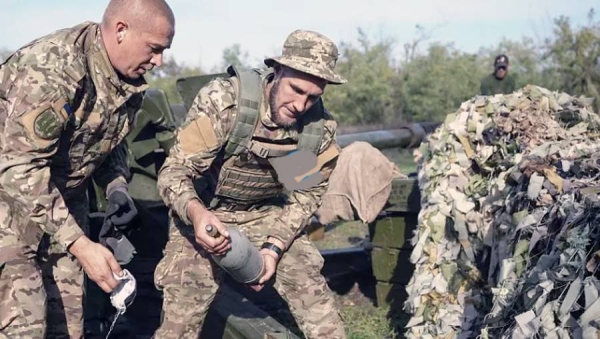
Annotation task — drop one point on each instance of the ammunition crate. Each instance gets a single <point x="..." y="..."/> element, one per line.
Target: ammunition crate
<point x="394" y="230"/>
<point x="390" y="294"/>
<point x="392" y="265"/>
<point x="390" y="235"/>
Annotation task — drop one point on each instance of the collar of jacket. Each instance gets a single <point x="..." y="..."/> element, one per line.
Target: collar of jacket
<point x="98" y="61"/>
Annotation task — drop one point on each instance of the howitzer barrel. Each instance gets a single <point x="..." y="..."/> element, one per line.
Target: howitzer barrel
<point x="404" y="137"/>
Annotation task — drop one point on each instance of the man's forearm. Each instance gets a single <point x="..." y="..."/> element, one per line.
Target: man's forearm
<point x="193" y="208"/>
<point x="176" y="188"/>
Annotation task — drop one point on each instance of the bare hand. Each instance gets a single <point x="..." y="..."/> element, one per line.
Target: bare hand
<point x="200" y="218"/>
<point x="270" y="265"/>
<point x="97" y="262"/>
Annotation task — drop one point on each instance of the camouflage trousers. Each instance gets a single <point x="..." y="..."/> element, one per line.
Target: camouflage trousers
<point x="41" y="291"/>
<point x="189" y="280"/>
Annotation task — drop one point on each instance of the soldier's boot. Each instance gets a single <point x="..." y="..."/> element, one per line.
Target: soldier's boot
<point x="22" y="295"/>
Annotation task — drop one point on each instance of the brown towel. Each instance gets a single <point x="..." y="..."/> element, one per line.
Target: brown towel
<point x="360" y="184"/>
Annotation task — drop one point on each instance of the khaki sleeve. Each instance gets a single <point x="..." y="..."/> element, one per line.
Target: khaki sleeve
<point x="114" y="171"/>
<point x="197" y="143"/>
<point x="36" y="112"/>
<point x="303" y="203"/>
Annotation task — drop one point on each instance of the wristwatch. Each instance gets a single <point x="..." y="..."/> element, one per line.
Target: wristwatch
<point x="272" y="247"/>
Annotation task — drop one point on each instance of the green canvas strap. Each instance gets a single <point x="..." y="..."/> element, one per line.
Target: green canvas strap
<point x="249" y="99"/>
<point x="264" y="152"/>
<point x="249" y="94"/>
<point x="314" y="129"/>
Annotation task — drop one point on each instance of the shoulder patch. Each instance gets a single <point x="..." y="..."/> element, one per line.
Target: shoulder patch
<point x="47" y="121"/>
<point x="47" y="125"/>
<point x="198" y="136"/>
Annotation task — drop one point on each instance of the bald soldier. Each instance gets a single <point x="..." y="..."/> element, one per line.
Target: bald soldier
<point x="67" y="100"/>
<point x="221" y="172"/>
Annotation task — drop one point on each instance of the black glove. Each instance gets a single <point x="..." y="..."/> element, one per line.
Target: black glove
<point x="118" y="243"/>
<point x="120" y="209"/>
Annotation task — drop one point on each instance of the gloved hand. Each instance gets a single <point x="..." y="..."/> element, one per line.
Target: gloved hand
<point x="117" y="242"/>
<point x="120" y="209"/>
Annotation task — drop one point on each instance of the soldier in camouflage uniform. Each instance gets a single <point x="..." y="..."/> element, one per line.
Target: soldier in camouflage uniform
<point x="67" y="100"/>
<point x="203" y="185"/>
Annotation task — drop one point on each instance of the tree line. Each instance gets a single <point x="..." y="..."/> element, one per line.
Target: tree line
<point x="426" y="83"/>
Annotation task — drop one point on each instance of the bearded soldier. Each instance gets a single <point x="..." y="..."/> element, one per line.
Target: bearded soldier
<point x="222" y="171"/>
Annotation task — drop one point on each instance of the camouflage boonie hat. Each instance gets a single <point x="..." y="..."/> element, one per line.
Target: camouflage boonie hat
<point x="312" y="53"/>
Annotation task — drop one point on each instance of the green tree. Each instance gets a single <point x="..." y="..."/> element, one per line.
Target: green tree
<point x="373" y="92"/>
<point x="575" y="54"/>
<point x="165" y="78"/>
<point x="437" y="82"/>
<point x="233" y="56"/>
<point x="527" y="62"/>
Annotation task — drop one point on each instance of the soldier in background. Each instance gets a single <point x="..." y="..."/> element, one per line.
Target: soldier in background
<point x="219" y="173"/>
<point x="67" y="101"/>
<point x="499" y="82"/>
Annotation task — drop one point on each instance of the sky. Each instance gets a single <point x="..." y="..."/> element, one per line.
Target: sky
<point x="204" y="28"/>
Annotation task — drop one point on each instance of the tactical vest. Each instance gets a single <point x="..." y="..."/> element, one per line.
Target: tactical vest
<point x="246" y="175"/>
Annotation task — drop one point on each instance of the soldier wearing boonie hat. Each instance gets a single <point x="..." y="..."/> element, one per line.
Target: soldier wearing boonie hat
<point x="264" y="145"/>
<point x="311" y="53"/>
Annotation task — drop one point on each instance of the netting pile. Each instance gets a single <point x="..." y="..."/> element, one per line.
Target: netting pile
<point x="508" y="241"/>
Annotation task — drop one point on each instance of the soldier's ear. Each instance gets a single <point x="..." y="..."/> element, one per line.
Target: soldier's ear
<point x="121" y="31"/>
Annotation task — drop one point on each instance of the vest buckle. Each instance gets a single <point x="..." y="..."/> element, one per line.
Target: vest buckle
<point x="260" y="151"/>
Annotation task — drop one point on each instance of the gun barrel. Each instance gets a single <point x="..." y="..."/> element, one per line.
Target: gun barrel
<point x="408" y="136"/>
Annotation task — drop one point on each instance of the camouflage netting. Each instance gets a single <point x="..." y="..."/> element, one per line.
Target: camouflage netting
<point x="508" y="240"/>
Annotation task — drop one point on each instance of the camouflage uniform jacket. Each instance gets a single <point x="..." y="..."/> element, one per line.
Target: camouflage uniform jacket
<point x="197" y="153"/>
<point x="63" y="112"/>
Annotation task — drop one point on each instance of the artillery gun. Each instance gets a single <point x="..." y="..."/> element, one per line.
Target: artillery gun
<point x="234" y="316"/>
<point x="407" y="136"/>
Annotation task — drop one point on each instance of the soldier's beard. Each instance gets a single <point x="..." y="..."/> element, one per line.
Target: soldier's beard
<point x="278" y="118"/>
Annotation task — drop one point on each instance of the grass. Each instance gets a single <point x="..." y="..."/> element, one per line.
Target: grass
<point x="367" y="323"/>
<point x="363" y="320"/>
